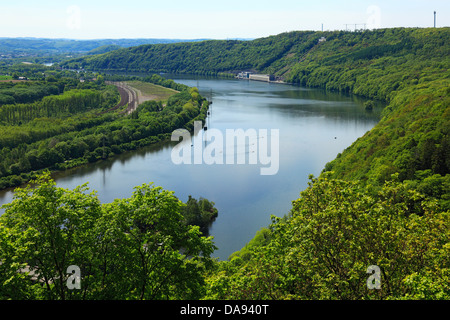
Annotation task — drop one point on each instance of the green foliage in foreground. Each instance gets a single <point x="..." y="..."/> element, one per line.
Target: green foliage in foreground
<point x="335" y="231"/>
<point x="135" y="248"/>
<point x="142" y="247"/>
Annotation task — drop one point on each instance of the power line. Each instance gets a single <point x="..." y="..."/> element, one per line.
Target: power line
<point x="356" y="26"/>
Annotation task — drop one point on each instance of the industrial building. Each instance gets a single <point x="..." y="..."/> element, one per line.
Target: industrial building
<point x="262" y="77"/>
<point x="255" y="76"/>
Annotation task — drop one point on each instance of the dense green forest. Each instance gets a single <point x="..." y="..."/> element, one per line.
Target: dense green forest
<point x="141" y="247"/>
<point x="335" y="231"/>
<point x="60" y="122"/>
<point x="203" y="57"/>
<point x="383" y="201"/>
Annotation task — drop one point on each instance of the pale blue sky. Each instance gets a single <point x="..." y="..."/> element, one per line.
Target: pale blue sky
<point x="189" y="19"/>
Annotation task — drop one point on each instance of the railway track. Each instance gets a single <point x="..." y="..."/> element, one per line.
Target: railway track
<point x="127" y="96"/>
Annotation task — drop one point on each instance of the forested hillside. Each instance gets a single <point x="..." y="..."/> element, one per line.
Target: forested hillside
<point x="298" y="56"/>
<point x="204" y="57"/>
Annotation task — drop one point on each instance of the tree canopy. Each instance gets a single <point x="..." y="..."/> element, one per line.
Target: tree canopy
<point x="134" y="248"/>
<point x="335" y="231"/>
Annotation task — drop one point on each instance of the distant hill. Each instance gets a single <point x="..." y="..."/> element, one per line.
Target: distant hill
<point x="286" y="55"/>
<point x="59" y="46"/>
<point x="209" y="56"/>
<point x="104" y="49"/>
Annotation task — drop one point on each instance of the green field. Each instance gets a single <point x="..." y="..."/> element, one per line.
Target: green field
<point x="150" y="91"/>
<point x="5" y="77"/>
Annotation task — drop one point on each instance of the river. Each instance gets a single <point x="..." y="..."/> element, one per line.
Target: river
<point x="313" y="125"/>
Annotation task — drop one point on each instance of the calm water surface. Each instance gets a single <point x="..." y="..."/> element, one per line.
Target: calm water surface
<point x="314" y="127"/>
